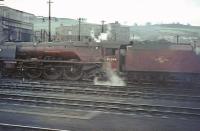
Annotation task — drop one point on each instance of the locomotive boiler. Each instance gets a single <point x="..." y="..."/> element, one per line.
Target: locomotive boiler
<point x="66" y="60"/>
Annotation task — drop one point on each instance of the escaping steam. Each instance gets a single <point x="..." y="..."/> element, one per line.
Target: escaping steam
<point x="113" y="79"/>
<point x="92" y="34"/>
<point x="102" y="36"/>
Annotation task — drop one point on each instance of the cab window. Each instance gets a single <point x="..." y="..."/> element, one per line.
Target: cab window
<point x="110" y="51"/>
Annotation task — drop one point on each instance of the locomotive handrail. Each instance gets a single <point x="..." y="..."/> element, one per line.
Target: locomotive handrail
<point x="52" y="61"/>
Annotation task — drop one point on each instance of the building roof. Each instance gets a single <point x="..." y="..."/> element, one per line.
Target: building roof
<point x="6" y="7"/>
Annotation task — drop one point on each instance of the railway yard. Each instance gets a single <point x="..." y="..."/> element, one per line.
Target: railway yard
<point x="66" y="74"/>
<point x="81" y="106"/>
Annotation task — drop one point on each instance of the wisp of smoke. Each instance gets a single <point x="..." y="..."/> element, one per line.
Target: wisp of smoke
<point x="102" y="36"/>
<point x="92" y="34"/>
<point x="113" y="79"/>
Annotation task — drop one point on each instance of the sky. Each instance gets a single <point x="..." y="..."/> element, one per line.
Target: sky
<point x="125" y="11"/>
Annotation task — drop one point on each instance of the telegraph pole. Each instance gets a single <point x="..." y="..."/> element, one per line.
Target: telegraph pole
<point x="79" y="28"/>
<point x="177" y="39"/>
<point x="49" y="2"/>
<point x="102" y="26"/>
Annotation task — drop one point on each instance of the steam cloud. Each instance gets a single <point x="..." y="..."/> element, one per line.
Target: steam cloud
<point x="113" y="79"/>
<point x="102" y="36"/>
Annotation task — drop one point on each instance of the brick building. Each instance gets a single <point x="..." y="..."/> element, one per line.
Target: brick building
<point x="41" y="26"/>
<point x="118" y="32"/>
<point x="71" y="33"/>
<point x="114" y="31"/>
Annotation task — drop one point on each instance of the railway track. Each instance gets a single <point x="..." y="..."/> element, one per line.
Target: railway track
<point x="46" y="82"/>
<point x="86" y="82"/>
<point x="100" y="105"/>
<point x="120" y="92"/>
<point x="39" y="93"/>
<point x="146" y="87"/>
<point x="13" y="127"/>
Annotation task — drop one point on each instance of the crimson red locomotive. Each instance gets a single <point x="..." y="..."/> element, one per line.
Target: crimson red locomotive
<point x="57" y="60"/>
<point x="154" y="61"/>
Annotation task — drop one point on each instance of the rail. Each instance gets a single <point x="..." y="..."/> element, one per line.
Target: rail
<point x="100" y="105"/>
<point x="13" y="127"/>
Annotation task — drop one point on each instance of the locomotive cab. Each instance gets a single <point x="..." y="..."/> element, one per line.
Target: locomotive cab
<point x="115" y="55"/>
<point x="110" y="57"/>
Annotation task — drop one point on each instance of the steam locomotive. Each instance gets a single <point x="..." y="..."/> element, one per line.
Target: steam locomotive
<point x="71" y="61"/>
<point x="139" y="61"/>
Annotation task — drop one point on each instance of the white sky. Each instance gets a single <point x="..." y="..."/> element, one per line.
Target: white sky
<point x="124" y="11"/>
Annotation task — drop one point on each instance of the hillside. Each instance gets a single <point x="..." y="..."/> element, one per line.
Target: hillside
<point x="185" y="33"/>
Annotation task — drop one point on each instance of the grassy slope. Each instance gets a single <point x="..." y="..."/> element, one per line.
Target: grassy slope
<point x="155" y="32"/>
